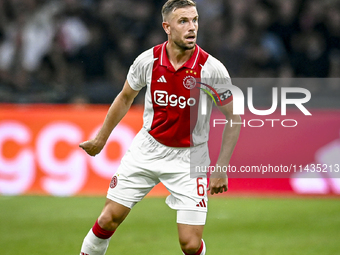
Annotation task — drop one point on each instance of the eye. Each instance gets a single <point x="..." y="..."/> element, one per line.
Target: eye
<point x="195" y="20"/>
<point x="182" y="21"/>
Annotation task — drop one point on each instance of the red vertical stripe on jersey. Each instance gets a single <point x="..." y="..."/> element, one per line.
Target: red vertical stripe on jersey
<point x="175" y="105"/>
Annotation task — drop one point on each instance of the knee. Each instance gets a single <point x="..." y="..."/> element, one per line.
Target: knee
<point x="190" y="246"/>
<point x="108" y="222"/>
<point x="112" y="215"/>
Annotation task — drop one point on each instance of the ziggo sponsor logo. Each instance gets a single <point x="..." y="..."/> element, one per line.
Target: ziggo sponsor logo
<point x="38" y="152"/>
<point x="162" y="98"/>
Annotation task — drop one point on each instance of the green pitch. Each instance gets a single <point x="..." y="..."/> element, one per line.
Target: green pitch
<point x="240" y="226"/>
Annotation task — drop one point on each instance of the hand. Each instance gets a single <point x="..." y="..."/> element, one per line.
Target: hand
<point x="91" y="147"/>
<point x="218" y="183"/>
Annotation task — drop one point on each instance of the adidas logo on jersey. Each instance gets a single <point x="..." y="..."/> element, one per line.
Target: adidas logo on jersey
<point x="162" y="79"/>
<point x="201" y="204"/>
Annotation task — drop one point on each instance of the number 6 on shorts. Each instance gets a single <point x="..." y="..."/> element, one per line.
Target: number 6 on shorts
<point x="200" y="187"/>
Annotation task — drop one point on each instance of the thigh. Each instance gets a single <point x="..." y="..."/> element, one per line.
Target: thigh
<point x="135" y="176"/>
<point x="129" y="186"/>
<point x="187" y="193"/>
<point x="188" y="190"/>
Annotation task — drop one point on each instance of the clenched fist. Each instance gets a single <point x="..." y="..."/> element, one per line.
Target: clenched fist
<point x="91" y="147"/>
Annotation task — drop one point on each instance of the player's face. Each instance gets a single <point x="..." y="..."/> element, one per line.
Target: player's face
<point x="182" y="26"/>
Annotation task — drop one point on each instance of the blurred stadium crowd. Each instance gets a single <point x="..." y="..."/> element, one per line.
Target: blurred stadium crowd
<point x="79" y="51"/>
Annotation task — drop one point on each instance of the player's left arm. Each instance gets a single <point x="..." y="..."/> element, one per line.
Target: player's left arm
<point x="219" y="180"/>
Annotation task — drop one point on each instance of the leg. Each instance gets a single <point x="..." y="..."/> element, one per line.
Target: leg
<point x="132" y="181"/>
<point x="188" y="195"/>
<point x="97" y="240"/>
<point x="190" y="239"/>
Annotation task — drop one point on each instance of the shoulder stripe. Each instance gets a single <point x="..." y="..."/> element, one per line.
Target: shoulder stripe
<point x="198" y="52"/>
<point x="162" y="53"/>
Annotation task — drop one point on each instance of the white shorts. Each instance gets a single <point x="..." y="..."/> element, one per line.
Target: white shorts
<point x="148" y="162"/>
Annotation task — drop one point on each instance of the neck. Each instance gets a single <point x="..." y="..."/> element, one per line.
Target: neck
<point x="178" y="56"/>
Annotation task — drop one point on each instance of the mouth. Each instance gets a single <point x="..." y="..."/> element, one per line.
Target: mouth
<point x="190" y="38"/>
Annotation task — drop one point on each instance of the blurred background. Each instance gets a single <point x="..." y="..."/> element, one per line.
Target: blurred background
<point x="59" y="54"/>
<point x="79" y="51"/>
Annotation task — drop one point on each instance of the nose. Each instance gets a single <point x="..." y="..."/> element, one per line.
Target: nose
<point x="192" y="26"/>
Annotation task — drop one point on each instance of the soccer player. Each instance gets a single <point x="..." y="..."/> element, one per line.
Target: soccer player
<point x="174" y="134"/>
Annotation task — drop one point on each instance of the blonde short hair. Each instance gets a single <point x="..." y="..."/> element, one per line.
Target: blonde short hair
<point x="172" y="5"/>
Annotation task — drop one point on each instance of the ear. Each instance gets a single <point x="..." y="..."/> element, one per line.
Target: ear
<point x="166" y="27"/>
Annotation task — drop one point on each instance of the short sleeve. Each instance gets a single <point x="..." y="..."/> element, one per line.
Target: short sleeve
<point x="220" y="81"/>
<point x="137" y="75"/>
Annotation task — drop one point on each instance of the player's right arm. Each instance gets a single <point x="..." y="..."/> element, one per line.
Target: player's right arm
<point x="116" y="112"/>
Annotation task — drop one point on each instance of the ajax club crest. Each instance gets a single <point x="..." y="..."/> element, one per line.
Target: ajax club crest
<point x="189" y="82"/>
<point x="113" y="182"/>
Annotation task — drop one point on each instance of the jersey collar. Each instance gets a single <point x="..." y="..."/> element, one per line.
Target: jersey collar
<point x="191" y="63"/>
